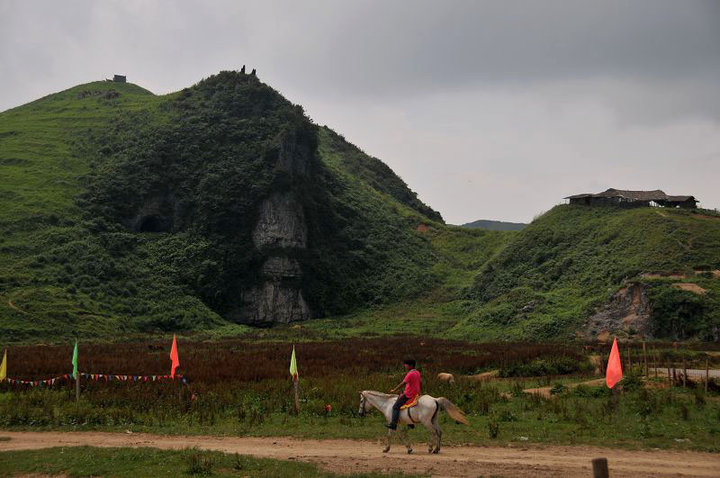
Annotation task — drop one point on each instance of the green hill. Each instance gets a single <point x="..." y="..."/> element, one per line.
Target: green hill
<point x="567" y="265"/>
<point x="125" y="212"/>
<point x="222" y="206"/>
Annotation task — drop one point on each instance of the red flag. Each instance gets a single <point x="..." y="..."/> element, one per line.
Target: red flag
<point x="174" y="358"/>
<point x="614" y="369"/>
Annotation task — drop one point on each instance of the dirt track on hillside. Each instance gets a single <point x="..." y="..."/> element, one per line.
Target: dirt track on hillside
<point x="345" y="456"/>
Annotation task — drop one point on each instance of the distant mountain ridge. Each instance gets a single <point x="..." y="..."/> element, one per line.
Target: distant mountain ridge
<point x="495" y="225"/>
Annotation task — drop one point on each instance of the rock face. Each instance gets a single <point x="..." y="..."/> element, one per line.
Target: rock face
<point x="279" y="298"/>
<point x="627" y="313"/>
<point x="280" y="233"/>
<point x="281" y="223"/>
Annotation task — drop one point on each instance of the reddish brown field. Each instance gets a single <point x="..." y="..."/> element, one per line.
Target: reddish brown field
<point x="242" y="361"/>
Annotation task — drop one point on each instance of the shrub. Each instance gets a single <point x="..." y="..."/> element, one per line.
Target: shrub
<point x="199" y="463"/>
<point x="544" y="367"/>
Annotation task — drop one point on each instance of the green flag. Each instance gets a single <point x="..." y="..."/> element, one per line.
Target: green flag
<point x="293" y="366"/>
<point x="75" y="361"/>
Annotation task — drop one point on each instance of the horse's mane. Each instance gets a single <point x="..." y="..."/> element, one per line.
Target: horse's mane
<point x="379" y="394"/>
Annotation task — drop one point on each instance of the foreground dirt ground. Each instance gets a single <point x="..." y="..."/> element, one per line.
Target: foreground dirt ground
<point x="346" y="456"/>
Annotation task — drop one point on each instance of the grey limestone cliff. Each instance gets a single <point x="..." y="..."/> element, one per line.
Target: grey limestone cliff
<point x="279" y="233"/>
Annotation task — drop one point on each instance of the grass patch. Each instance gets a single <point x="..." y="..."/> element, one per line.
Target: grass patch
<point x="133" y="462"/>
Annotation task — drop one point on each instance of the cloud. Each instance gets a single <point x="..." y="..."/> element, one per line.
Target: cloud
<point x="469" y="101"/>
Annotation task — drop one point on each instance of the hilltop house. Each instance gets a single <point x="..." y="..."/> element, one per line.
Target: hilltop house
<point x="120" y="79"/>
<point x="618" y="197"/>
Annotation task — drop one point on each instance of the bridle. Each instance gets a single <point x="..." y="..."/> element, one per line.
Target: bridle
<point x="362" y="411"/>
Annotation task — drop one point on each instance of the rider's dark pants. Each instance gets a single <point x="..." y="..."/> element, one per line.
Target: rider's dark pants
<point x="402" y="400"/>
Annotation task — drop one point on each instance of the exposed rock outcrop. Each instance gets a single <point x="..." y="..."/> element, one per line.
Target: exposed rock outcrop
<point x="275" y="302"/>
<point x="280" y="227"/>
<point x="628" y="313"/>
<point x="281" y="223"/>
<point x="281" y="231"/>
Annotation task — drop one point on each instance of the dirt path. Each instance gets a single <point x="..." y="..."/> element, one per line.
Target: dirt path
<point x="347" y="456"/>
<point x="14" y="307"/>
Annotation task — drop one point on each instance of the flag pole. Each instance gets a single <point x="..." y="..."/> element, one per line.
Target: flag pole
<point x="297" y="397"/>
<point x="296" y="380"/>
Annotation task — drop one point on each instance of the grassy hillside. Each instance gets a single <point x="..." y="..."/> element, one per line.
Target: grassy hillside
<point x="555" y="273"/>
<point x="79" y="165"/>
<point x="42" y="173"/>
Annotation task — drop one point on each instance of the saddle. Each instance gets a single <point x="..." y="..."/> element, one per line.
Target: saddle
<point x="413" y="401"/>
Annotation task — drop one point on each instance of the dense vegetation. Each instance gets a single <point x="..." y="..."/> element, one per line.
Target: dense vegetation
<point x="558" y="270"/>
<point x="79" y="257"/>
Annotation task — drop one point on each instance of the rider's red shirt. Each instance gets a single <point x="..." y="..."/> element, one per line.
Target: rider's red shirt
<point x="412" y="383"/>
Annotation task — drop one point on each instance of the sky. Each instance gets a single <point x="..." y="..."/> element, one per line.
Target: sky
<point x="487" y="109"/>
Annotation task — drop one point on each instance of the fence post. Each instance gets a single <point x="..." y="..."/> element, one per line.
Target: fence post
<point x="707" y="373"/>
<point x="657" y="363"/>
<point x="77" y="387"/>
<point x="600" y="468"/>
<point x="684" y="373"/>
<point x="647" y="374"/>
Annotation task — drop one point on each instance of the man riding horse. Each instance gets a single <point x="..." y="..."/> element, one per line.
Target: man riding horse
<point x="412" y="382"/>
<point x="424" y="408"/>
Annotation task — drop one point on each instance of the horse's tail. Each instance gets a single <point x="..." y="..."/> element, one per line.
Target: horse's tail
<point x="454" y="412"/>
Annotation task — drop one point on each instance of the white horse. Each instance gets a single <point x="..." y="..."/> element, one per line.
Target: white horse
<point x="425" y="412"/>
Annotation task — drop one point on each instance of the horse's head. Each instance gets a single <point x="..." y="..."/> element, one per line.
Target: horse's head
<point x="363" y="402"/>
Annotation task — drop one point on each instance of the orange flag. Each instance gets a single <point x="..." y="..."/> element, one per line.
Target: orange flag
<point x="614" y="369"/>
<point x="174" y="357"/>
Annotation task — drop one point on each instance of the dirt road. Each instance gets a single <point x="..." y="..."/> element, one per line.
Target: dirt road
<point x="346" y="456"/>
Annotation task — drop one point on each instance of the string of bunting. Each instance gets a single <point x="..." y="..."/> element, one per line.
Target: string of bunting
<point x="97" y="377"/>
<point x="37" y="383"/>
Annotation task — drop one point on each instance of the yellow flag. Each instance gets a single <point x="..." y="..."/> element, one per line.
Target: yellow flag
<point x="3" y="367"/>
<point x="293" y="366"/>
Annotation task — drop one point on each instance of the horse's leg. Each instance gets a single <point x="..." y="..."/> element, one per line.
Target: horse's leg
<point x="387" y="447"/>
<point x="438" y="433"/>
<point x="431" y="429"/>
<point x="406" y="441"/>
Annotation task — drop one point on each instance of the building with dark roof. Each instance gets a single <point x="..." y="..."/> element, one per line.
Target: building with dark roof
<point x="619" y="197"/>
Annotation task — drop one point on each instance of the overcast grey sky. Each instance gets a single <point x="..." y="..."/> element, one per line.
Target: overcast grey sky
<point x="493" y="110"/>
